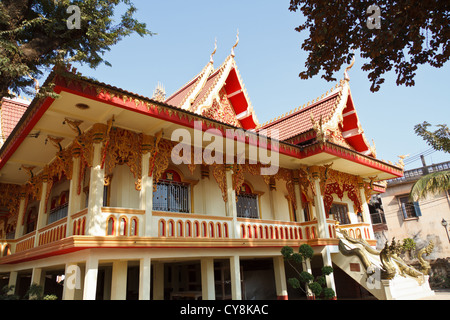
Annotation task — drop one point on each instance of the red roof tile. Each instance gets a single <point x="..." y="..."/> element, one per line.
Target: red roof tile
<point x="300" y="121"/>
<point x="11" y="112"/>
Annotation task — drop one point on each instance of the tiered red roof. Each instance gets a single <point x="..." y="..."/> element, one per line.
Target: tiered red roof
<point x="334" y="114"/>
<point x="11" y="111"/>
<point x="217" y="94"/>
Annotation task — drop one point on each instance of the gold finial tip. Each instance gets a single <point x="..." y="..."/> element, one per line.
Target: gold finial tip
<point x="235" y="45"/>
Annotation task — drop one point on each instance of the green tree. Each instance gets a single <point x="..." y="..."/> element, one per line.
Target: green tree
<point x="411" y="33"/>
<point x="435" y="182"/>
<point x="36" y="35"/>
<point x="317" y="285"/>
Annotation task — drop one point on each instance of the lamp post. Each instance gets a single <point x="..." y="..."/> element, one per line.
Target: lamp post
<point x="444" y="224"/>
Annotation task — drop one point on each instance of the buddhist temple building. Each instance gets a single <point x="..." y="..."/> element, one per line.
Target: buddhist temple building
<point x="96" y="204"/>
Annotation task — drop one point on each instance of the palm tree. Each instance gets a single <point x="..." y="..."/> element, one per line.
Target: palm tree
<point x="430" y="184"/>
<point x="435" y="182"/>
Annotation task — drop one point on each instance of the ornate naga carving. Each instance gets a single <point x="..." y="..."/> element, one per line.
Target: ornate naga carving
<point x="219" y="174"/>
<point x="161" y="160"/>
<point x="124" y="147"/>
<point x="392" y="262"/>
<point x="9" y="197"/>
<point x="425" y="265"/>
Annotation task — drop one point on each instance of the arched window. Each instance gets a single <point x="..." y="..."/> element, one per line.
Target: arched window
<point x="172" y="194"/>
<point x="247" y="203"/>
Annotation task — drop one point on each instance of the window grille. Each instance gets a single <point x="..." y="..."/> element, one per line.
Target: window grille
<point x="171" y="196"/>
<point x="247" y="206"/>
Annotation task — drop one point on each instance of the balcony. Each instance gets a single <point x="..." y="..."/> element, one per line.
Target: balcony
<point x="123" y="223"/>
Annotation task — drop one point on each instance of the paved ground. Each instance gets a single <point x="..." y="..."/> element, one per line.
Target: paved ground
<point x="440" y="295"/>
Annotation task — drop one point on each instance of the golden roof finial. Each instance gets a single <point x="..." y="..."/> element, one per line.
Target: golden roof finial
<point x="346" y="77"/>
<point x="214" y="52"/>
<point x="235" y="45"/>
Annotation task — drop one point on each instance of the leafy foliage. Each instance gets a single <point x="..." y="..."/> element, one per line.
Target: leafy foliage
<point x="412" y="33"/>
<point x="438" y="139"/>
<point x="435" y="182"/>
<point x="34" y="36"/>
<point x="317" y="285"/>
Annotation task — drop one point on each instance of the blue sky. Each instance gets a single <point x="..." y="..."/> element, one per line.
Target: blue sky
<point x="269" y="58"/>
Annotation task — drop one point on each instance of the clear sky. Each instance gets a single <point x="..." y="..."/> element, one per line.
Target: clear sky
<point x="269" y="58"/>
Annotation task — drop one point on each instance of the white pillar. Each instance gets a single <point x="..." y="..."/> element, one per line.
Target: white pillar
<point x="37" y="277"/>
<point x="320" y="208"/>
<point x="273" y="198"/>
<point x="42" y="218"/>
<point x="231" y="202"/>
<point x="208" y="285"/>
<point x="365" y="210"/>
<point x="298" y="200"/>
<point x="19" y="225"/>
<point x="90" y="279"/>
<point x="235" y="273"/>
<point x="72" y="281"/>
<point x="158" y="281"/>
<point x="74" y="204"/>
<point x="280" y="278"/>
<point x="307" y="267"/>
<point x="93" y="221"/>
<point x="146" y="197"/>
<point x="13" y="275"/>
<point x="144" y="278"/>
<point x="119" y="280"/>
<point x="326" y="256"/>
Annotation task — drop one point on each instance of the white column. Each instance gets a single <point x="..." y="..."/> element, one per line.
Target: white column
<point x="144" y="278"/>
<point x="158" y="281"/>
<point x="13" y="281"/>
<point x="365" y="210"/>
<point x="90" y="279"/>
<point x="231" y="203"/>
<point x="326" y="256"/>
<point x="307" y="267"/>
<point x="235" y="273"/>
<point x="119" y="280"/>
<point x="298" y="200"/>
<point x="208" y="285"/>
<point x="19" y="225"/>
<point x="42" y="218"/>
<point x="273" y="198"/>
<point x="320" y="208"/>
<point x="72" y="281"/>
<point x="37" y="276"/>
<point x="146" y="196"/>
<point x="93" y="220"/>
<point x="74" y="204"/>
<point x="280" y="278"/>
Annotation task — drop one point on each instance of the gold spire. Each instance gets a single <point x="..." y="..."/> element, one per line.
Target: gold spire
<point x="214" y="52"/>
<point x="346" y="77"/>
<point x="235" y="45"/>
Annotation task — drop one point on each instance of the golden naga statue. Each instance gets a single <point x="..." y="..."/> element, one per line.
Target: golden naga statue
<point x="390" y="262"/>
<point x="425" y="265"/>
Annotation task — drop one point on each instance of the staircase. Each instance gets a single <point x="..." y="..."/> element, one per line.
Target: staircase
<point x="363" y="264"/>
